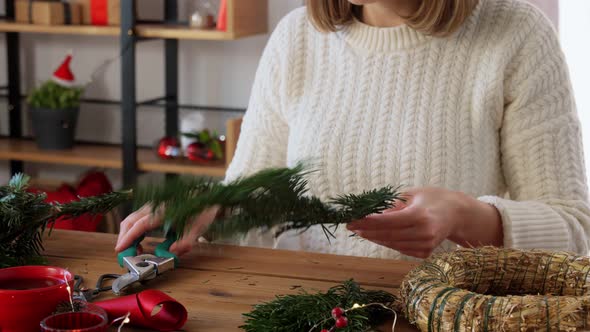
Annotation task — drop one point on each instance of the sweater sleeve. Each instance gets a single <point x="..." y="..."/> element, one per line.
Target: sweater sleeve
<point x="264" y="132"/>
<point x="541" y="146"/>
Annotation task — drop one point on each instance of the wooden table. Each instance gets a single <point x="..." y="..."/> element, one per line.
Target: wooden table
<point x="218" y="283"/>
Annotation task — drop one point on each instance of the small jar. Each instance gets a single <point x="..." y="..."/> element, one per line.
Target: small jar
<point x="90" y="318"/>
<point x="203" y="15"/>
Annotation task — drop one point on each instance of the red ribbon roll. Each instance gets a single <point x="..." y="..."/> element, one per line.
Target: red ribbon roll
<point x="99" y="12"/>
<point x="172" y="315"/>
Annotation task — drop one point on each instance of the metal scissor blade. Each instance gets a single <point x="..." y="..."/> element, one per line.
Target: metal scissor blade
<point x="123" y="282"/>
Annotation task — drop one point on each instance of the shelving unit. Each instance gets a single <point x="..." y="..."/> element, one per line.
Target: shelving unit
<point x="103" y="156"/>
<point x="243" y="20"/>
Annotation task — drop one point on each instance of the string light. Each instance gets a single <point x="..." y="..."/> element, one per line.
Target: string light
<point x="124" y="320"/>
<point x="69" y="291"/>
<point x="357" y="306"/>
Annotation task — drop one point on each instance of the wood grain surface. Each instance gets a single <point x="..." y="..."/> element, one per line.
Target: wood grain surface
<point x="218" y="283"/>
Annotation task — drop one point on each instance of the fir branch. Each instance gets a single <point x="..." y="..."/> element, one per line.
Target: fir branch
<point x="305" y="311"/>
<point x="273" y="199"/>
<point x="91" y="205"/>
<point x="25" y="215"/>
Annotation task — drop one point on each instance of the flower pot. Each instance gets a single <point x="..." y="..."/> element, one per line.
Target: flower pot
<point x="54" y="129"/>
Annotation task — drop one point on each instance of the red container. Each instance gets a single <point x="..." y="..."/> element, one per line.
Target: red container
<point x="90" y="319"/>
<point x="28" y="294"/>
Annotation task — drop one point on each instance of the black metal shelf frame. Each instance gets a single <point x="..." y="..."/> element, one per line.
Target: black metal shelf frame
<point x="128" y="103"/>
<point x="14" y="93"/>
<point x="153" y="102"/>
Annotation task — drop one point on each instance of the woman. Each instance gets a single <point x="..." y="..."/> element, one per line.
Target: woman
<point x="463" y="101"/>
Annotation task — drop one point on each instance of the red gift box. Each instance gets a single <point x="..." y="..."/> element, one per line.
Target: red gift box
<point x="100" y="12"/>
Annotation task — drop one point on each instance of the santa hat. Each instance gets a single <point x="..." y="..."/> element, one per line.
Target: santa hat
<point x="63" y="75"/>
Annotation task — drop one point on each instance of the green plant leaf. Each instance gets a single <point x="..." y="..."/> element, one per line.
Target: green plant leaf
<point x="51" y="95"/>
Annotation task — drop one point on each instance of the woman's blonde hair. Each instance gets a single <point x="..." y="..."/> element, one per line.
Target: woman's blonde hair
<point x="433" y="17"/>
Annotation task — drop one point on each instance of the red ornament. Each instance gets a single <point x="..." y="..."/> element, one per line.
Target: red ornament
<point x="169" y="147"/>
<point x="337" y="312"/>
<point x="341" y="322"/>
<point x="324" y="330"/>
<point x="199" y="152"/>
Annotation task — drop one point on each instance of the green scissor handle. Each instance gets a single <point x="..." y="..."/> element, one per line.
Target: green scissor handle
<point x="162" y="250"/>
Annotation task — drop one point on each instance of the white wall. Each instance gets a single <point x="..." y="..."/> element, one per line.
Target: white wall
<point x="574" y="28"/>
<point x="211" y="73"/>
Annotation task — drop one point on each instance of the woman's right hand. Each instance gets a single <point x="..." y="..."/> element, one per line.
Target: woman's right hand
<point x="145" y="219"/>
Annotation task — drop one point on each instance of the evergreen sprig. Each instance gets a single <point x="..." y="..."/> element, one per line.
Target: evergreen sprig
<point x="305" y="311"/>
<point x="273" y="199"/>
<point x="24" y="216"/>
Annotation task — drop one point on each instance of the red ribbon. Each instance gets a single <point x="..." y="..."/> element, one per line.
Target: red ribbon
<point x="99" y="12"/>
<point x="171" y="317"/>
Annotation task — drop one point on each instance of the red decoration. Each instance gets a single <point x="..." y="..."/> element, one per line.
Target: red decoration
<point x="28" y="294"/>
<point x="99" y="12"/>
<point x="171" y="317"/>
<point x="222" y="16"/>
<point x="199" y="152"/>
<point x="337" y="312"/>
<point x="341" y="322"/>
<point x="207" y="146"/>
<point x="92" y="184"/>
<point x="90" y="319"/>
<point x="63" y="74"/>
<point x="169" y="147"/>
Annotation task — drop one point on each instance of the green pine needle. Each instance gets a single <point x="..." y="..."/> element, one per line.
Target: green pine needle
<point x="305" y="311"/>
<point x="273" y="199"/>
<point x="91" y="205"/>
<point x="24" y="217"/>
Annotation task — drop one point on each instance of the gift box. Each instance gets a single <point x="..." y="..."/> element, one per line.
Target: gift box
<point x="47" y="12"/>
<point x="85" y="9"/>
<point x="100" y="12"/>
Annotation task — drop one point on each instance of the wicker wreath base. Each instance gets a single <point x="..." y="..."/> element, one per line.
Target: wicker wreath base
<point x="491" y="289"/>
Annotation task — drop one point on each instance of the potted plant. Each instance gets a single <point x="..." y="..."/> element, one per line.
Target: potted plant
<point x="54" y="108"/>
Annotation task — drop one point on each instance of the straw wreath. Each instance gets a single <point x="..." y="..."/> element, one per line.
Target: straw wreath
<point x="491" y="289"/>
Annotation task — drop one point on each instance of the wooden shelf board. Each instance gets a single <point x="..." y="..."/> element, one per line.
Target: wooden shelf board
<point x="181" y="32"/>
<point x="6" y="26"/>
<point x="142" y="30"/>
<point x="102" y="156"/>
<point x="150" y="162"/>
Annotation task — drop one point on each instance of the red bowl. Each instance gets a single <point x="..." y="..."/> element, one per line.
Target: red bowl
<point x="28" y="294"/>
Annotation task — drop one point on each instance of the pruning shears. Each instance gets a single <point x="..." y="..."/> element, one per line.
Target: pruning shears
<point x="146" y="266"/>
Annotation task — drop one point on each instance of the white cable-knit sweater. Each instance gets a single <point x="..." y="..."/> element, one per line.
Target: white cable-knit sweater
<point x="487" y="111"/>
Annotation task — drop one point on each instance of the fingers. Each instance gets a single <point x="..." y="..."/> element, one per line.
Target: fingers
<point x="402" y="218"/>
<point x="193" y="232"/>
<point x="388" y="234"/>
<point x="416" y="249"/>
<point x="135" y="226"/>
<point x="130" y="220"/>
<point x="398" y="205"/>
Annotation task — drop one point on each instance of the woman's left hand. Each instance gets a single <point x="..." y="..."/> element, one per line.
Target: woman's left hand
<point x="428" y="217"/>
